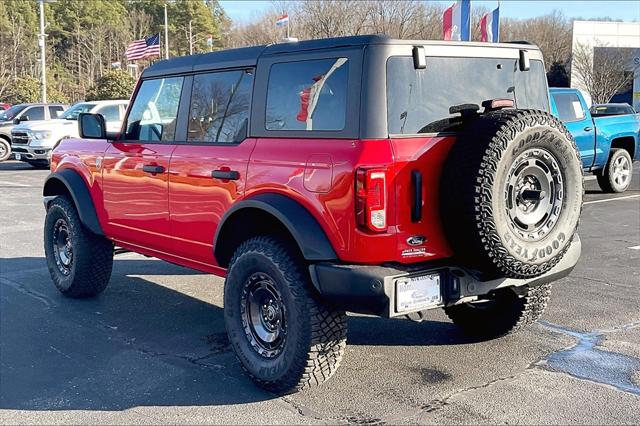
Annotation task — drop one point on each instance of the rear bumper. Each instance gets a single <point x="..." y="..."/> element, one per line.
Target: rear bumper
<point x="371" y="289"/>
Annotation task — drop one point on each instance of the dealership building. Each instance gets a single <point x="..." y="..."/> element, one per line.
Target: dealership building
<point x="611" y="35"/>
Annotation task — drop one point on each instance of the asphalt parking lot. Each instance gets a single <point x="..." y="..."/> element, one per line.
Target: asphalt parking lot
<point x="153" y="349"/>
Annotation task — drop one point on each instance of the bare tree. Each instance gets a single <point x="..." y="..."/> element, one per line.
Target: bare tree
<point x="602" y="71"/>
<point x="551" y="33"/>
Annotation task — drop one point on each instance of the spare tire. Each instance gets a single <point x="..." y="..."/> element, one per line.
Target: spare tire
<point x="512" y="193"/>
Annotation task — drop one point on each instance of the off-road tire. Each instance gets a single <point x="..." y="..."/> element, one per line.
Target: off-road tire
<point x="606" y="177"/>
<point x="506" y="312"/>
<point x="5" y="150"/>
<point x="315" y="336"/>
<point x="475" y="202"/>
<point x="92" y="260"/>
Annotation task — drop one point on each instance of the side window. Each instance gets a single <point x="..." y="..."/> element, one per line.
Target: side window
<point x="55" y="110"/>
<point x="153" y="114"/>
<point x="111" y="113"/>
<point x="34" y="113"/>
<point x="568" y="106"/>
<point x="308" y="95"/>
<point x="219" y="110"/>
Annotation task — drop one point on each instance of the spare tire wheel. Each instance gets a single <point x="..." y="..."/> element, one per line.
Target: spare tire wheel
<point x="512" y="193"/>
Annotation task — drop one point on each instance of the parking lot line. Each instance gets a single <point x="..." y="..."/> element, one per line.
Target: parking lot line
<point x="635" y="248"/>
<point x="612" y="199"/>
<point x="17" y="185"/>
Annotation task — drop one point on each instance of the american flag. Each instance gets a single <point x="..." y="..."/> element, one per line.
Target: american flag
<point x="143" y="48"/>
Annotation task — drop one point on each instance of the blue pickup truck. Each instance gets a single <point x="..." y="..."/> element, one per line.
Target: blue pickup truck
<point x="608" y="145"/>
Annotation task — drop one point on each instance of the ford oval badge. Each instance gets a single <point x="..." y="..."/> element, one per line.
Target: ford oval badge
<point x="416" y="240"/>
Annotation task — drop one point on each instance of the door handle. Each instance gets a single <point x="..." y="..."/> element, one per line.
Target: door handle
<point x="150" y="168"/>
<point x="225" y="174"/>
<point x="588" y="129"/>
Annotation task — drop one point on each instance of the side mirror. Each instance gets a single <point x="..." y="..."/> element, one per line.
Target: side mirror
<point x="19" y="120"/>
<point x="92" y="126"/>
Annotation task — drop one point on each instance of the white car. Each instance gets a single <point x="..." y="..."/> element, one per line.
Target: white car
<point x="33" y="142"/>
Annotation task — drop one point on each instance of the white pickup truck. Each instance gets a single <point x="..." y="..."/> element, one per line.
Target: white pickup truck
<point x="33" y="142"/>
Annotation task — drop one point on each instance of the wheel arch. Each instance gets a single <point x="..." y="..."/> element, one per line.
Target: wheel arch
<point x="628" y="143"/>
<point x="271" y="214"/>
<point x="69" y="183"/>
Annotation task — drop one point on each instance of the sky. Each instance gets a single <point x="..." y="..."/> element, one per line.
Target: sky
<point x="244" y="10"/>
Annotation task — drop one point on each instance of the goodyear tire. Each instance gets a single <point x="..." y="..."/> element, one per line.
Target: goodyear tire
<point x="512" y="193"/>
<point x="79" y="261"/>
<point x="285" y="339"/>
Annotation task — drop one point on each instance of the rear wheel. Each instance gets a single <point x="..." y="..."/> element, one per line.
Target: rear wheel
<point x="79" y="261"/>
<point x="616" y="176"/>
<point x="5" y="149"/>
<point x="505" y="312"/>
<point x="285" y="339"/>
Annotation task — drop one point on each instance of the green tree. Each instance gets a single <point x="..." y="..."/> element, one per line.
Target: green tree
<point x="114" y="84"/>
<point x="27" y="90"/>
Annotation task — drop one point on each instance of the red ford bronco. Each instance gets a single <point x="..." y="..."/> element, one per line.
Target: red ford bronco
<point x="359" y="174"/>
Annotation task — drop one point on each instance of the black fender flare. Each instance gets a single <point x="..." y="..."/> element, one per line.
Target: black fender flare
<point x="304" y="228"/>
<point x="77" y="188"/>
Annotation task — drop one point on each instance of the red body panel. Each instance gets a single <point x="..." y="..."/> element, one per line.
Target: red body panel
<point x="426" y="155"/>
<point x="197" y="201"/>
<point x="174" y="215"/>
<point x="136" y="202"/>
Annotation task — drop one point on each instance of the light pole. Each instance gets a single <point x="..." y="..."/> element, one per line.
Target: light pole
<point x="43" y="65"/>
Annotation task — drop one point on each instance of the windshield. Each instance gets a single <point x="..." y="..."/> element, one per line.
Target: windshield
<point x="11" y="113"/>
<point x="73" y="112"/>
<point x="600" y="110"/>
<point x="418" y="100"/>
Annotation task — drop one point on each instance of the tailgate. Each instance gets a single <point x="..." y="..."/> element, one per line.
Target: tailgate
<point x="417" y="170"/>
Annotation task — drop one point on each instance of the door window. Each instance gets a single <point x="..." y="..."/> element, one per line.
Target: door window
<point x="153" y="114"/>
<point x="569" y="107"/>
<point x="308" y="95"/>
<point x="34" y="113"/>
<point x="219" y="110"/>
<point x="111" y="113"/>
<point x="55" y="110"/>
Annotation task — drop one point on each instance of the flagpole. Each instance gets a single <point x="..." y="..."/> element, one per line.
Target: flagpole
<point x="166" y="33"/>
<point x="283" y="12"/>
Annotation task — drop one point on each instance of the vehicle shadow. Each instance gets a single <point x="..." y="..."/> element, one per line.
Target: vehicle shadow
<point x="140" y="343"/>
<point x="18" y="165"/>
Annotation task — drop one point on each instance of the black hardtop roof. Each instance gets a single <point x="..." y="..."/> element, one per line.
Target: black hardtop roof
<point x="248" y="56"/>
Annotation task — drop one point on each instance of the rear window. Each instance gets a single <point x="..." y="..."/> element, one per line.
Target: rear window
<point x="307" y="95"/>
<point x="568" y="106"/>
<point x="418" y="100"/>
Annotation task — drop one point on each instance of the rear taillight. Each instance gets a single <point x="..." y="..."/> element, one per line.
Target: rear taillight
<point x="371" y="199"/>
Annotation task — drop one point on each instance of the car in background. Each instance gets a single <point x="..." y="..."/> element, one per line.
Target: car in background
<point x="33" y="142"/>
<point x="4" y="106"/>
<point x="608" y="144"/>
<point x="20" y="113"/>
<point x="601" y="110"/>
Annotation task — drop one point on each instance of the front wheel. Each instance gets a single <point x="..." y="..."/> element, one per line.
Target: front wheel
<point x="79" y="262"/>
<point x="616" y="176"/>
<point x="285" y="339"/>
<point x="5" y="150"/>
<point x="505" y="312"/>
